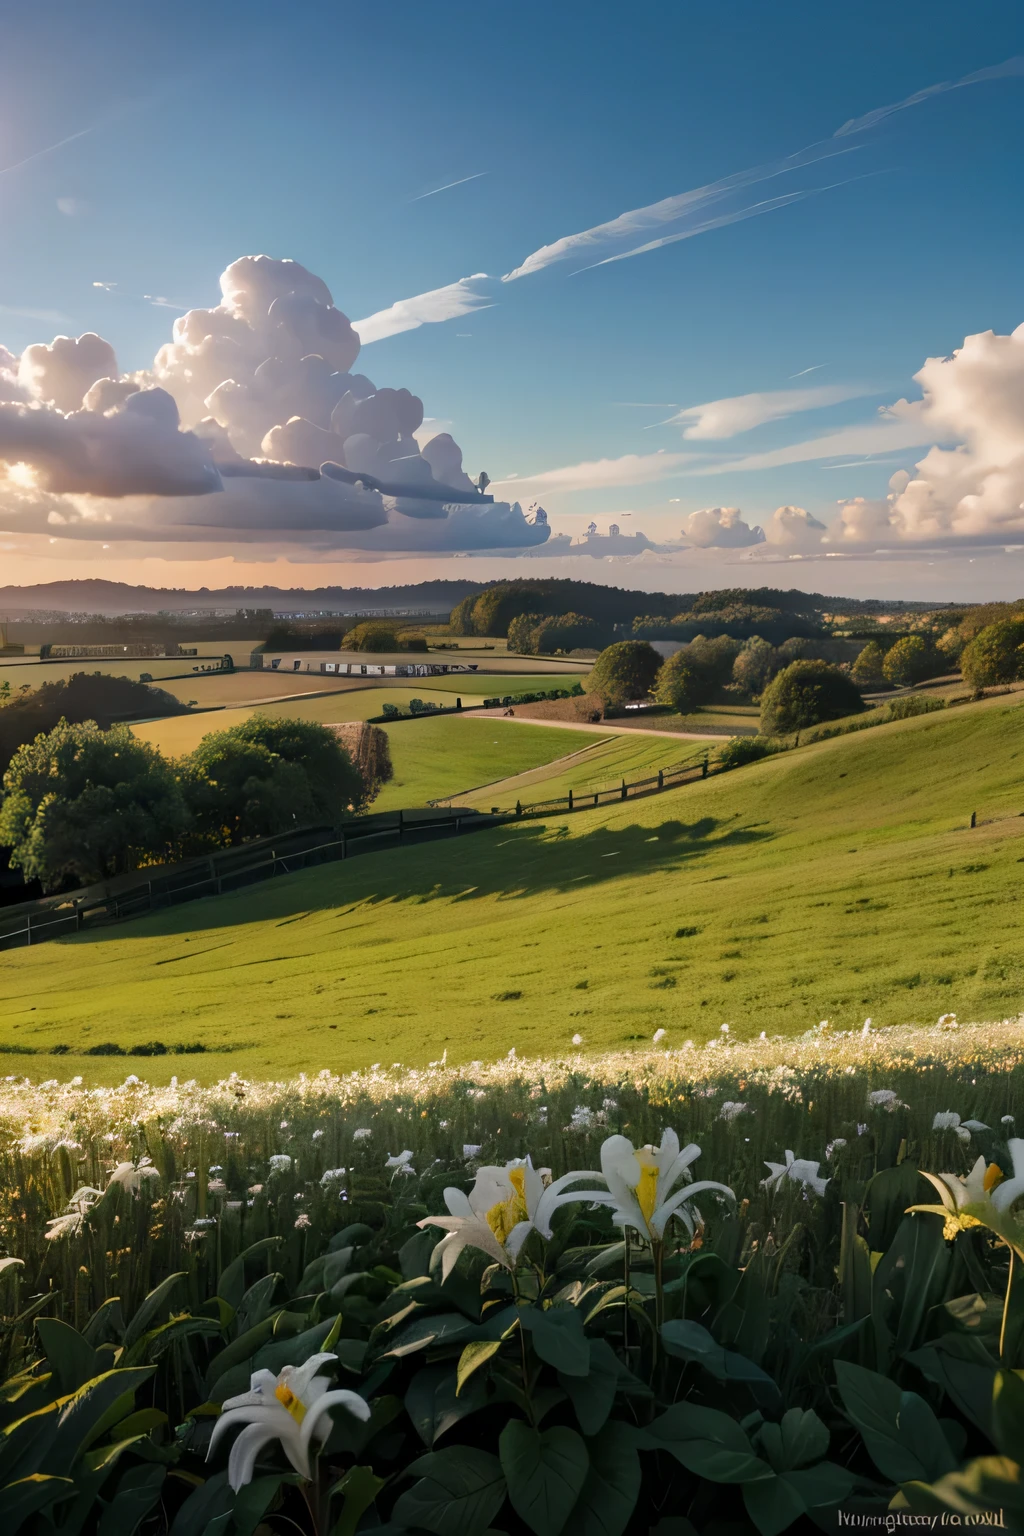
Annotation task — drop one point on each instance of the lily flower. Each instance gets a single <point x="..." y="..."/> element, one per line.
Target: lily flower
<point x="291" y="1407"/>
<point x="800" y="1169"/>
<point x="132" y="1176"/>
<point x="501" y="1210"/>
<point x="985" y="1186"/>
<point x="642" y="1185"/>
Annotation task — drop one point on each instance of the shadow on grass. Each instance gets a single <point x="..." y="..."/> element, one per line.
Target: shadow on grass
<point x="507" y="863"/>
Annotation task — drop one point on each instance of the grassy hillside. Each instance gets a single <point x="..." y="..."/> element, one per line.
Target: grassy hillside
<point x="433" y="758"/>
<point x="837" y="882"/>
<point x="601" y="764"/>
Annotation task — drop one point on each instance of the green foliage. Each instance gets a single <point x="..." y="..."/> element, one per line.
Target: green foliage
<point x="805" y="693"/>
<point x="755" y="665"/>
<point x="567" y="632"/>
<point x="867" y="670"/>
<point x="683" y="684"/>
<point x="741" y="750"/>
<point x="995" y="655"/>
<point x="624" y="671"/>
<point x="910" y="661"/>
<point x="373" y="635"/>
<point x="83" y="804"/>
<point x="99" y="697"/>
<point x="521" y="633"/>
<point x="913" y="704"/>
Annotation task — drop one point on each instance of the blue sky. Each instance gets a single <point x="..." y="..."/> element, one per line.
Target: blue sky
<point x="313" y="131"/>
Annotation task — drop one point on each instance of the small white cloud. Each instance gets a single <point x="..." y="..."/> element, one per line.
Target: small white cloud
<point x="741" y="413"/>
<point x="720" y="528"/>
<point x="71" y="207"/>
<point x="630" y="469"/>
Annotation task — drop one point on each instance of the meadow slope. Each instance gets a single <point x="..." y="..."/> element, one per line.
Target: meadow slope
<point x="838" y="881"/>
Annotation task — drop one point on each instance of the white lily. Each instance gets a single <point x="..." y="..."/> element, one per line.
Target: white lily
<point x="291" y="1407"/>
<point x="501" y="1210"/>
<point x="72" y="1220"/>
<point x="131" y="1176"/>
<point x="985" y="1185"/>
<point x="800" y="1169"/>
<point x="642" y="1185"/>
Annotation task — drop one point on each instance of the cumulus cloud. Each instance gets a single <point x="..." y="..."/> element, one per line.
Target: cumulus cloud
<point x="740" y="413"/>
<point x="720" y="528"/>
<point x="250" y="425"/>
<point x="795" y="528"/>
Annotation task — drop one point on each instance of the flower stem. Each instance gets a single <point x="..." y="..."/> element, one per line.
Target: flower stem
<point x="1006" y="1309"/>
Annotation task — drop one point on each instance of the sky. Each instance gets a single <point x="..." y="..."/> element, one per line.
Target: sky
<point x="690" y="271"/>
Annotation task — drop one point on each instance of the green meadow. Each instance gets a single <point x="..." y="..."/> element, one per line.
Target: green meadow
<point x="443" y="756"/>
<point x="838" y="881"/>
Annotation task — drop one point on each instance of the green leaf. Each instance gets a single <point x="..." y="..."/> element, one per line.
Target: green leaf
<point x="159" y="1340"/>
<point x="773" y="1504"/>
<point x="137" y="1491"/>
<point x="612" y="1486"/>
<point x="1008" y="1414"/>
<point x="903" y="1437"/>
<point x="592" y="1395"/>
<point x="231" y="1285"/>
<point x="52" y="1438"/>
<point x="823" y="1485"/>
<point x="545" y="1471"/>
<point x="10" y="1263"/>
<point x="31" y="1494"/>
<point x="72" y="1360"/>
<point x="460" y="1490"/>
<point x="360" y="1487"/>
<point x="238" y="1351"/>
<point x="448" y="1328"/>
<point x="253" y="1501"/>
<point x="706" y="1442"/>
<point x="558" y="1338"/>
<point x="257" y="1303"/>
<point x="473" y="1357"/>
<point x="690" y="1341"/>
<point x="990" y="1484"/>
<point x="886" y="1199"/>
<point x="434" y="1405"/>
<point x="203" y="1506"/>
<point x="151" y="1308"/>
<point x="968" y="1384"/>
<point x="800" y="1437"/>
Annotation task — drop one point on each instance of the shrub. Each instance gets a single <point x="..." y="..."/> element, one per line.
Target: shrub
<point x="913" y="704"/>
<point x="373" y="635"/>
<point x="681" y="684"/>
<point x="521" y="633"/>
<point x="867" y="669"/>
<point x="995" y="655"/>
<point x="745" y="749"/>
<point x="391" y="711"/>
<point x="84" y="804"/>
<point x="755" y="665"/>
<point x="805" y="693"/>
<point x="624" y="671"/>
<point x="909" y="661"/>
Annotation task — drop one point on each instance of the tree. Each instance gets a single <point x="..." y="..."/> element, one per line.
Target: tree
<point x="909" y="661"/>
<point x="624" y="671"/>
<point x="714" y="657"/>
<point x="867" y="669"/>
<point x="681" y="684"/>
<point x="755" y="666"/>
<point x="805" y="693"/>
<point x="85" y="804"/>
<point x="372" y="635"/>
<point x="460" y="620"/>
<point x="995" y="655"/>
<point x="98" y="696"/>
<point x="565" y="632"/>
<point x="334" y="780"/>
<point x="521" y="633"/>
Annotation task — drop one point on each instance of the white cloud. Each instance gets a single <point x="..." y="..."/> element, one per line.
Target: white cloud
<point x="1004" y="71"/>
<point x="720" y="528"/>
<point x="449" y="303"/>
<point x="70" y="207"/>
<point x="795" y="528"/>
<point x="740" y="413"/>
<point x="902" y="426"/>
<point x="630" y="469"/>
<point x="60" y="374"/>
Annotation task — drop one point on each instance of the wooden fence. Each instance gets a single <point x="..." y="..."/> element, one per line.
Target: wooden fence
<point x="665" y="778"/>
<point x="149" y="890"/>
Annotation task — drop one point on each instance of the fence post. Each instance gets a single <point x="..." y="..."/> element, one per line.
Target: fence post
<point x="570" y="799"/>
<point x="519" y="808"/>
<point x="661" y="778"/>
<point x="401" y="825"/>
<point x="28" y="929"/>
<point x="623" y="796"/>
<point x="704" y="769"/>
<point x="78" y="915"/>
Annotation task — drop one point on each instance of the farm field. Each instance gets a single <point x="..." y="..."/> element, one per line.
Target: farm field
<point x="439" y="757"/>
<point x="836" y="882"/>
<point x="602" y="764"/>
<point x="34" y="672"/>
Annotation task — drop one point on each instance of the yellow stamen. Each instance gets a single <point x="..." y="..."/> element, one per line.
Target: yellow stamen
<point x="647" y="1190"/>
<point x="507" y="1214"/>
<point x="295" y="1406"/>
<point x="993" y="1175"/>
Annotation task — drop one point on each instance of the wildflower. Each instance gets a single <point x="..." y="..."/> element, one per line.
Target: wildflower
<point x="1007" y="1120"/>
<point x="280" y="1162"/>
<point x="949" y="1120"/>
<point x="201" y="1223"/>
<point x="292" y="1408"/>
<point x="318" y="1135"/>
<point x="642" y="1184"/>
<point x="867" y="1028"/>
<point x="725" y="1029"/>
<point x="301" y="1221"/>
<point x="947" y="1021"/>
<point x="501" y="1210"/>
<point x="332" y="1176"/>
<point x="131" y="1176"/>
<point x="577" y="1039"/>
<point x="659" y="1034"/>
<point x="609" y="1104"/>
<point x="362" y="1134"/>
<point x="834" y="1146"/>
<point x="582" y="1119"/>
<point x="398" y="1162"/>
<point x="885" y="1098"/>
<point x="71" y="1222"/>
<point x="799" y="1169"/>
<point x="731" y="1111"/>
<point x="470" y="1151"/>
<point x="512" y="1054"/>
<point x="985" y="1186"/>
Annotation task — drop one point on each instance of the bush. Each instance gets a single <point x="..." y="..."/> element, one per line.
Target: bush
<point x="84" y="804"/>
<point x="745" y="749"/>
<point x="805" y="693"/>
<point x="913" y="704"/>
<point x="682" y="685"/>
<point x="521" y="633"/>
<point x="373" y="635"/>
<point x="391" y="711"/>
<point x="755" y="665"/>
<point x="995" y="655"/>
<point x="867" y="669"/>
<point x="909" y="661"/>
<point x="624" y="671"/>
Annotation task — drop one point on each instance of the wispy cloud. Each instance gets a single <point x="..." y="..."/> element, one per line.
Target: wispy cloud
<point x="740" y="413"/>
<point x="1004" y="71"/>
<point x="804" y="371"/>
<point x="48" y="149"/>
<point x="448" y="186"/>
<point x="596" y="474"/>
<point x="752" y="211"/>
<point x="888" y="434"/>
<point x="449" y="303"/>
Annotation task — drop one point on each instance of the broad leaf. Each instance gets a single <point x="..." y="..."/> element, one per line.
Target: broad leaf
<point x="137" y="1491"/>
<point x="545" y="1471"/>
<point x="459" y="1492"/>
<point x="359" y="1487"/>
<point x="593" y="1395"/>
<point x="475" y="1354"/>
<point x="558" y="1338"/>
<point x="612" y="1486"/>
<point x="31" y="1494"/>
<point x="434" y="1405"/>
<point x="692" y="1342"/>
<point x="253" y="1501"/>
<point x="203" y="1506"/>
<point x="799" y="1438"/>
<point x="231" y="1285"/>
<point x="149" y="1310"/>
<point x="706" y="1442"/>
<point x="773" y="1504"/>
<point x="902" y="1435"/>
<point x="72" y="1360"/>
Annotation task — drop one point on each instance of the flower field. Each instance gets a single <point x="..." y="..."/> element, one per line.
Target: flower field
<point x="744" y="1286"/>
